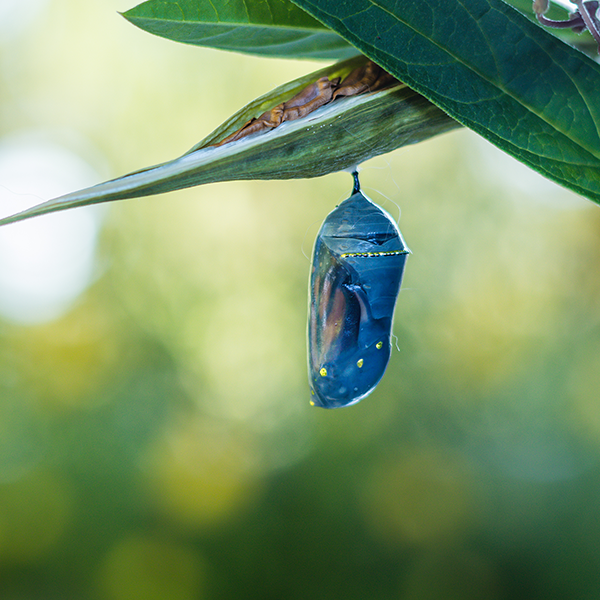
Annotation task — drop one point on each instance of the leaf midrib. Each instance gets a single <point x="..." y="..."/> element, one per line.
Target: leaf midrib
<point x="236" y="24"/>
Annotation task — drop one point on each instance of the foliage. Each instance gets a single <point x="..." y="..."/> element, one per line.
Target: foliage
<point x="268" y="28"/>
<point x="483" y="63"/>
<point x="341" y="135"/>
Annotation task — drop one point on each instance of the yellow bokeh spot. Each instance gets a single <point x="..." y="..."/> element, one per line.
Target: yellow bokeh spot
<point x="323" y="372"/>
<point x="144" y="568"/>
<point x="359" y="363"/>
<point x="34" y="514"/>
<point x="420" y="498"/>
<point x="202" y="474"/>
<point x="253" y="320"/>
<point x="66" y="362"/>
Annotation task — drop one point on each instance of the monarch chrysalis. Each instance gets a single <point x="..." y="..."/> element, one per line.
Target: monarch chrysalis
<point x="357" y="267"/>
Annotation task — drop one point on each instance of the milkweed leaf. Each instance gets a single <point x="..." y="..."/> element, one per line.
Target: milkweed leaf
<point x="267" y="28"/>
<point x="337" y="136"/>
<point x="491" y="69"/>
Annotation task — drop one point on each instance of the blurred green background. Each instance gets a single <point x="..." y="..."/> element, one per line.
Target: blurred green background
<point x="156" y="439"/>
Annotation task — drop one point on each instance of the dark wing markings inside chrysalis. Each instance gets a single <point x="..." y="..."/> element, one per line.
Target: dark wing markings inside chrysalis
<point x="357" y="267"/>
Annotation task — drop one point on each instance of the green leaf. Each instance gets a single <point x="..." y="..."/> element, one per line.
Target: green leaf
<point x="491" y="69"/>
<point x="269" y="27"/>
<point x="337" y="136"/>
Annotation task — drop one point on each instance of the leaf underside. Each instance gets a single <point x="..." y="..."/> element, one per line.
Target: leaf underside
<point x="337" y="136"/>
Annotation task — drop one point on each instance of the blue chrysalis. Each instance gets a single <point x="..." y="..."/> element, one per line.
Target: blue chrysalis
<point x="357" y="267"/>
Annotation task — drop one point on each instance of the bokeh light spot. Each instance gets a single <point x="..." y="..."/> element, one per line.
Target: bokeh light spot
<point x="17" y="15"/>
<point x="47" y="262"/>
<point x="245" y="384"/>
<point x="420" y="498"/>
<point x="202" y="475"/>
<point x="67" y="362"/>
<point x="34" y="514"/>
<point x="141" y="567"/>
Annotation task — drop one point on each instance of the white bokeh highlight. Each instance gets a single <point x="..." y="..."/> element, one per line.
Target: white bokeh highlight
<point x="46" y="262"/>
<point x="17" y="15"/>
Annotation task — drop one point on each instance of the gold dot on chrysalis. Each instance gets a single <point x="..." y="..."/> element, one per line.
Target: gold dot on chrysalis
<point x="323" y="372"/>
<point x="360" y="362"/>
<point x="379" y="345"/>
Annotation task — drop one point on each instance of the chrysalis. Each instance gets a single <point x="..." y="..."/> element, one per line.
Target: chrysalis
<point x="357" y="267"/>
